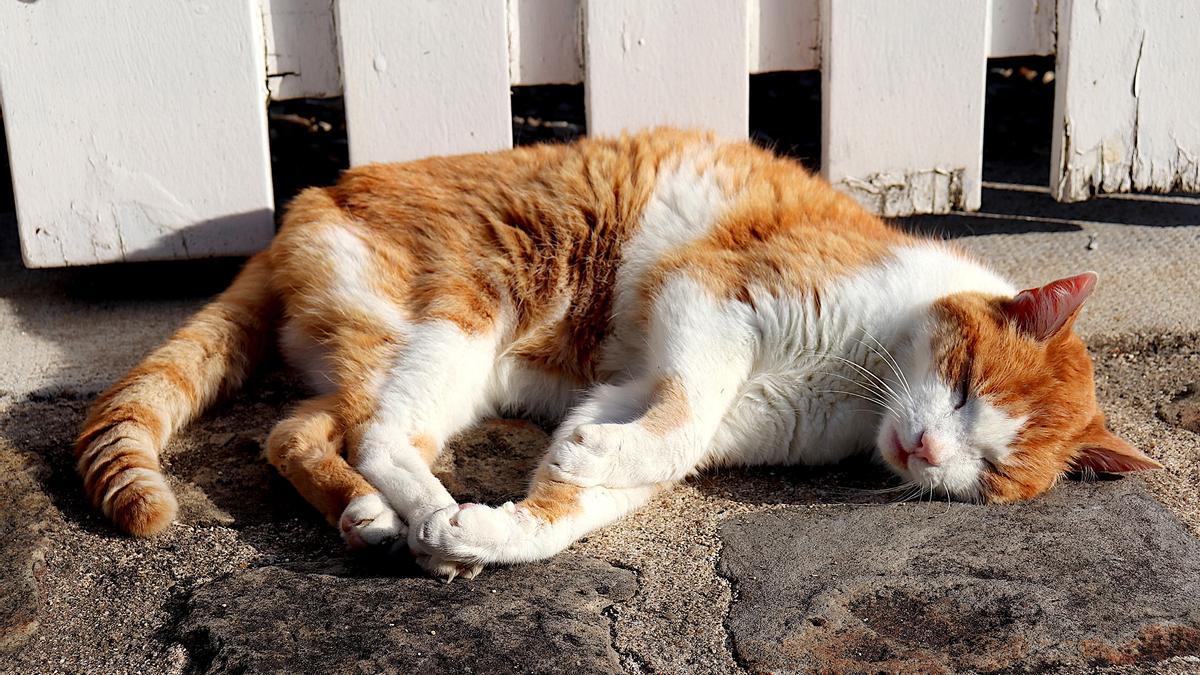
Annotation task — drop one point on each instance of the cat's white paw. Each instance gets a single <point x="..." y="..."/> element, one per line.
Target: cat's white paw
<point x="470" y="534"/>
<point x="588" y="456"/>
<point x="602" y="454"/>
<point x="368" y="521"/>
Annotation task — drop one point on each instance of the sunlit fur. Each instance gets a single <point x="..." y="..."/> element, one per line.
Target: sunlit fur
<point x="678" y="300"/>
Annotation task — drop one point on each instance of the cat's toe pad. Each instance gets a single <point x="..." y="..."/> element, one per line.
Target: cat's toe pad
<point x="368" y="521"/>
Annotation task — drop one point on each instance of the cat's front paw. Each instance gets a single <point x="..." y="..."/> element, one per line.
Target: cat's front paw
<point x="601" y="454"/>
<point x="586" y="458"/>
<point x="368" y="521"/>
<point x="466" y="535"/>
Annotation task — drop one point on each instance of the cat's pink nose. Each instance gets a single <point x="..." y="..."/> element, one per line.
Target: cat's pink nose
<point x="926" y="448"/>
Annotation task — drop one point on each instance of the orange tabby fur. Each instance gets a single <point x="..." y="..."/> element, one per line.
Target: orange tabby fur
<point x="538" y="228"/>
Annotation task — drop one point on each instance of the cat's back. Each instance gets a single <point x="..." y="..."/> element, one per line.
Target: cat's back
<point x="597" y="188"/>
<point x="558" y="242"/>
<point x="550" y="189"/>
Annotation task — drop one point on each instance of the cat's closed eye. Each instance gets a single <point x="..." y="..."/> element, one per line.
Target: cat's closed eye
<point x="963" y="391"/>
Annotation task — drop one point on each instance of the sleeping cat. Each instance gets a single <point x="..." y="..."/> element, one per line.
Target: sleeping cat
<point x="680" y="301"/>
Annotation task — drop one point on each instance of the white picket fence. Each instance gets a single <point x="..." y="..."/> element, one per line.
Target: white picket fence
<point x="137" y="129"/>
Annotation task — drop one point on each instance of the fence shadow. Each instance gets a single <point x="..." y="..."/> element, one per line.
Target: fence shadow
<point x="1016" y="209"/>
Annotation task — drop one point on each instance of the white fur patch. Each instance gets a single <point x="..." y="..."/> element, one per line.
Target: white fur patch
<point x="687" y="203"/>
<point x="824" y="383"/>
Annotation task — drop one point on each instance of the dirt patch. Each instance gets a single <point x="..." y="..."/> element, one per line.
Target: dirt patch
<point x="1183" y="410"/>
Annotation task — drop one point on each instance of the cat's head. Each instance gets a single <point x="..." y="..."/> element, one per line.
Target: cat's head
<point x="997" y="399"/>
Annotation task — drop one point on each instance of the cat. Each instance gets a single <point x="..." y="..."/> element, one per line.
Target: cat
<point x="678" y="300"/>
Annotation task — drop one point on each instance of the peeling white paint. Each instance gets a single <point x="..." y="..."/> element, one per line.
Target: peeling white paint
<point x="938" y="190"/>
<point x="1125" y="100"/>
<point x="902" y="118"/>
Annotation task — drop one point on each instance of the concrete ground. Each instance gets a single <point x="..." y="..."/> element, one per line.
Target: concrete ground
<point x="760" y="570"/>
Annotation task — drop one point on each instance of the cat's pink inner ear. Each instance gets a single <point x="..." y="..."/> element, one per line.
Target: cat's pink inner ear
<point x="1042" y="312"/>
<point x="1102" y="450"/>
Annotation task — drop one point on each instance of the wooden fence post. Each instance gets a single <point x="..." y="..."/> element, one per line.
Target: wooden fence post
<point x="136" y="130"/>
<point x="1125" y="108"/>
<point x="428" y="77"/>
<point x="902" y="98"/>
<point x="666" y="62"/>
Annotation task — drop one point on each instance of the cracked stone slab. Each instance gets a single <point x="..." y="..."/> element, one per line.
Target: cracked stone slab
<point x="24" y="514"/>
<point x="545" y="618"/>
<point x="1089" y="575"/>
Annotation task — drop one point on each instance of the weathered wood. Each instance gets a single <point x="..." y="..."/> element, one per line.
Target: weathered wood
<point x="544" y="41"/>
<point x="430" y="77"/>
<point x="784" y="35"/>
<point x="136" y="130"/>
<point x="651" y="63"/>
<point x="302" y="58"/>
<point x="902" y="102"/>
<point x="1022" y="28"/>
<point x="1125" y="109"/>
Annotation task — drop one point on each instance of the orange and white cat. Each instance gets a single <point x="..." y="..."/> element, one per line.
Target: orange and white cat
<point x="680" y="301"/>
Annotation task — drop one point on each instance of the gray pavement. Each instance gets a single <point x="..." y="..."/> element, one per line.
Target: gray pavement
<point x="726" y="573"/>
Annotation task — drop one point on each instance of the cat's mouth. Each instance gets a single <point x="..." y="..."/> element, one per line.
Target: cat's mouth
<point x="896" y="453"/>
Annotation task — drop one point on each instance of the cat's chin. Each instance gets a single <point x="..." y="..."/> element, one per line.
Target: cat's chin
<point x="940" y="483"/>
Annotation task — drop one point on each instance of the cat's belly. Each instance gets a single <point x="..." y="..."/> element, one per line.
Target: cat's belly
<point x="521" y="388"/>
<point x="305" y="355"/>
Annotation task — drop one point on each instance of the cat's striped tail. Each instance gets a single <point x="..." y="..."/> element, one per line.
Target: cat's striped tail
<point x="128" y="425"/>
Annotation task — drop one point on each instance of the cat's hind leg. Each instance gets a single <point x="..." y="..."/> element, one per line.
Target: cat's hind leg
<point x="307" y="448"/>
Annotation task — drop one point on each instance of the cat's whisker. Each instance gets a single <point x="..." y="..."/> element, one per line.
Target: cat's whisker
<point x="889" y="358"/>
<point x="869" y="411"/>
<point x="883" y="491"/>
<point x="913" y="493"/>
<point x="873" y="390"/>
<point x="890" y="361"/>
<point x="866" y="371"/>
<point x="876" y="401"/>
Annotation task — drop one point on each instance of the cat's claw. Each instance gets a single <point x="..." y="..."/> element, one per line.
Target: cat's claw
<point x="447" y="570"/>
<point x="368" y="522"/>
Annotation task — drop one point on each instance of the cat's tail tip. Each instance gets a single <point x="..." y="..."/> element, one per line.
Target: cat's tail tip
<point x="145" y="507"/>
<point x="123" y="480"/>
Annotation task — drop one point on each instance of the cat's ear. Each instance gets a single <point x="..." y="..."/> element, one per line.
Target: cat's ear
<point x="1102" y="450"/>
<point x="1042" y="312"/>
